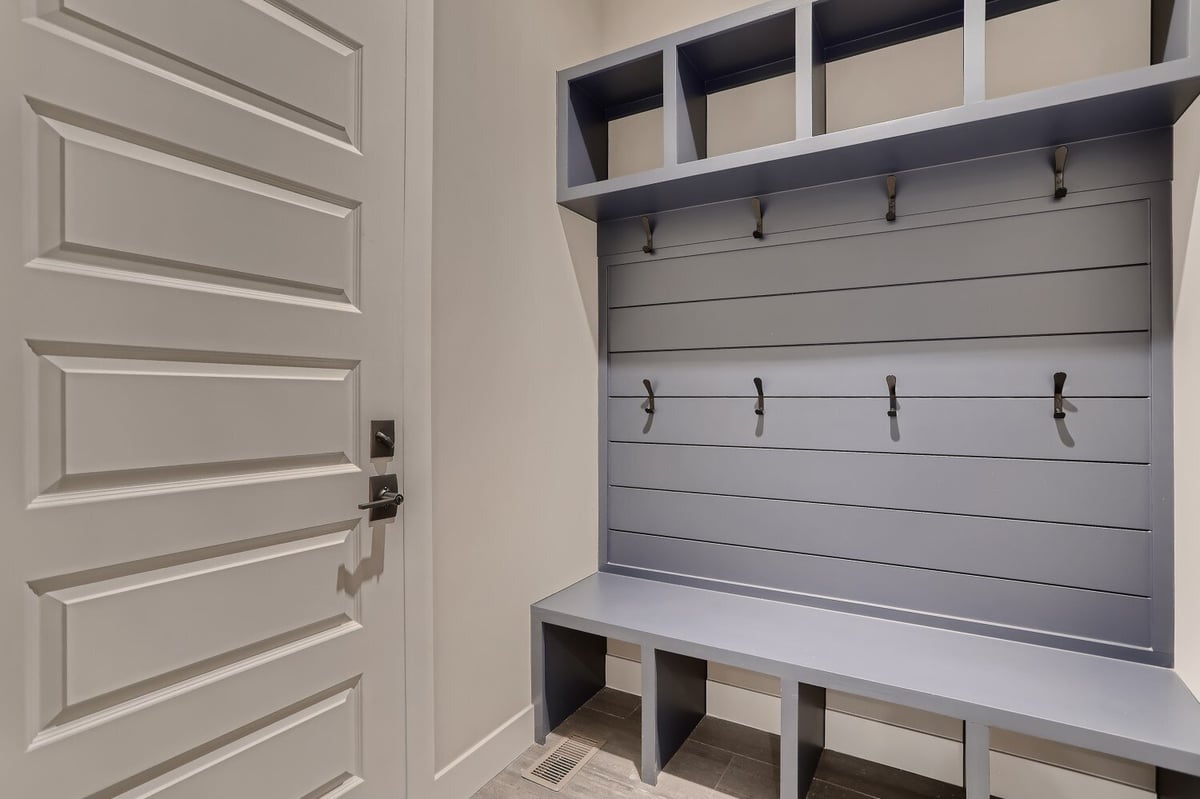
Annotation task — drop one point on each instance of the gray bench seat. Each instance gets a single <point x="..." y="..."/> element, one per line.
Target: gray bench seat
<point x="1143" y="713"/>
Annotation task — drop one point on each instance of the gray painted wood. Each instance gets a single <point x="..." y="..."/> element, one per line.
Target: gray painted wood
<point x="977" y="761"/>
<point x="1017" y="178"/>
<point x="1112" y="104"/>
<point x="1103" y="300"/>
<point x="1077" y="238"/>
<point x="568" y="670"/>
<point x="1108" y="495"/>
<point x="1104" y="559"/>
<point x="691" y="107"/>
<point x="1104" y="365"/>
<point x="974" y="51"/>
<point x="809" y="119"/>
<point x="1116" y="430"/>
<point x="673" y="703"/>
<point x="1162" y="437"/>
<point x="938" y="598"/>
<point x="1143" y="713"/>
<point x="984" y="463"/>
<point x="802" y="737"/>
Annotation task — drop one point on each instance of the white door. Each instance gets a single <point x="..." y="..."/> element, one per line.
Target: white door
<point x="200" y="274"/>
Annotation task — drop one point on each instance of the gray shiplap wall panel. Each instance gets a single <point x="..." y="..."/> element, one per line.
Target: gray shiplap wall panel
<point x="1078" y="238"/>
<point x="1065" y="611"/>
<point x="1094" y="430"/>
<point x="1104" y="365"/>
<point x="1103" y="494"/>
<point x="1098" y="164"/>
<point x="1099" y="558"/>
<point x="1093" y="301"/>
<point x="973" y="503"/>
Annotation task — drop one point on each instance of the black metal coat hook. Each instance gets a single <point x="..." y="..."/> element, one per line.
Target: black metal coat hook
<point x="648" y="247"/>
<point x="758" y="230"/>
<point x="1060" y="380"/>
<point x="1060" y="170"/>
<point x="760" y="407"/>
<point x="891" y="188"/>
<point x="891" y="384"/>
<point x="649" y="396"/>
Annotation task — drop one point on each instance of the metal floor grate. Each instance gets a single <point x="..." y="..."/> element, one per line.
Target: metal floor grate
<point x="555" y="769"/>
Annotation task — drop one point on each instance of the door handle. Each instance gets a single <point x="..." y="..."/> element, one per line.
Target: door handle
<point x="385" y="497"/>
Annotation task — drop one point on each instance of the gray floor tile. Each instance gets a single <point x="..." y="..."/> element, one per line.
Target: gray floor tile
<point x="881" y="782"/>
<point x="698" y="764"/>
<point x="615" y="703"/>
<point x="749" y="779"/>
<point x="828" y="790"/>
<point x="745" y="741"/>
<point x="721" y="760"/>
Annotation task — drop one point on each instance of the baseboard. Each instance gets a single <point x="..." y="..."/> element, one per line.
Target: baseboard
<point x="471" y="770"/>
<point x="932" y="756"/>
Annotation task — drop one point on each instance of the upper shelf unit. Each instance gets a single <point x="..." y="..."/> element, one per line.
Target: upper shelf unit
<point x="796" y="41"/>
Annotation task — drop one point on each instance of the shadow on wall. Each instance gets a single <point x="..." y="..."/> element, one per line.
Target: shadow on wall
<point x="579" y="234"/>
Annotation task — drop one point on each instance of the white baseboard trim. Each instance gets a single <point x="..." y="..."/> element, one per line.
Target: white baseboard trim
<point x="471" y="770"/>
<point x="929" y="755"/>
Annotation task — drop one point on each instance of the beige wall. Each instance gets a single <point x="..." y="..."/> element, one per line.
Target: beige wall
<point x="514" y="354"/>
<point x="1187" y="388"/>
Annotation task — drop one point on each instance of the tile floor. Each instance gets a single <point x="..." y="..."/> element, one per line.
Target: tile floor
<point x="721" y="759"/>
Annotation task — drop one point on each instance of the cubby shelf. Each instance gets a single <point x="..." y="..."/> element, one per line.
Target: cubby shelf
<point x="678" y="72"/>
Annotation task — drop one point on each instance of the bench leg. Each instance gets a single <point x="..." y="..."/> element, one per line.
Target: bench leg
<point x="977" y="762"/>
<point x="674" y="700"/>
<point x="802" y="737"/>
<point x="568" y="670"/>
<point x="1173" y="785"/>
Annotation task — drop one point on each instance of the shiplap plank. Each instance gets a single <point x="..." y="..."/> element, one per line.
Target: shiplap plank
<point x="1052" y="241"/>
<point x="1103" y="365"/>
<point x="1094" y="430"/>
<point x="1093" y="301"/>
<point x="1101" y="494"/>
<point x="1098" y="558"/>
<point x="1095" y="615"/>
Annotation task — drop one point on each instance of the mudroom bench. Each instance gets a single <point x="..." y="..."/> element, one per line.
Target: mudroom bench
<point x="1130" y="710"/>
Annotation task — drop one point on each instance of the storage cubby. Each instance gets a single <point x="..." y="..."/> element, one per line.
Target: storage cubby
<point x="1035" y="46"/>
<point x="796" y="93"/>
<point x="718" y="73"/>
<point x="868" y="56"/>
<point x="594" y="101"/>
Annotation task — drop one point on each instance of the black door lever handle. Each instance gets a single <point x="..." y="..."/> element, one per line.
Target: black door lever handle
<point x="386" y="498"/>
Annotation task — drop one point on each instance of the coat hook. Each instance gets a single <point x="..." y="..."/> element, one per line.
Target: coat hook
<point x="648" y="247"/>
<point x="649" y="396"/>
<point x="1060" y="168"/>
<point x="891" y="187"/>
<point x="760" y="407"/>
<point x="891" y="383"/>
<point x="1060" y="380"/>
<point x="758" y="230"/>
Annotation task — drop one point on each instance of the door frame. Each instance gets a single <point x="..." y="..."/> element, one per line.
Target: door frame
<point x="417" y="419"/>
